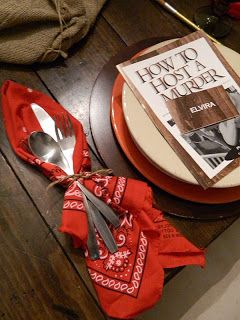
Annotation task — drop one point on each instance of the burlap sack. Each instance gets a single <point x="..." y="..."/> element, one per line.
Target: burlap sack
<point x="42" y="30"/>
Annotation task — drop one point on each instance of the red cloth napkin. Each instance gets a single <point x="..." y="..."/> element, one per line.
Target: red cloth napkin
<point x="130" y="280"/>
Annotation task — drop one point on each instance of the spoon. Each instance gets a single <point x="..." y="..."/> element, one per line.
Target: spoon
<point x="43" y="146"/>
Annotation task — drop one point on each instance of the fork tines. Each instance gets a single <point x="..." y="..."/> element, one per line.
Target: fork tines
<point x="63" y="126"/>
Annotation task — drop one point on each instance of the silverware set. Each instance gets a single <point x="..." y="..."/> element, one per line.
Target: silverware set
<point x="56" y="145"/>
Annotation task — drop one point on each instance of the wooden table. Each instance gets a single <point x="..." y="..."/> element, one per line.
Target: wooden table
<point x="41" y="275"/>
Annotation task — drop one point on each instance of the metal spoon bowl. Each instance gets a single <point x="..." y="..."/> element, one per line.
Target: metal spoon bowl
<point x="43" y="146"/>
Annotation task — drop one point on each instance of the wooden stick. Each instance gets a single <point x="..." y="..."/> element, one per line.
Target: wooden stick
<point x="177" y="14"/>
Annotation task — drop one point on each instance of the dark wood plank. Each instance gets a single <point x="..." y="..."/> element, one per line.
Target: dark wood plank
<point x="48" y="203"/>
<point x="37" y="280"/>
<point x="71" y="82"/>
<point x="149" y="19"/>
<point x="136" y="21"/>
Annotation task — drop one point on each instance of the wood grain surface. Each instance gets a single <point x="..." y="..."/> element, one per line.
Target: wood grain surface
<point x="41" y="275"/>
<point x="33" y="267"/>
<point x="191" y="112"/>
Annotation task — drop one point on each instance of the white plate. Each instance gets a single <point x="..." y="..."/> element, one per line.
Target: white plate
<point x="151" y="143"/>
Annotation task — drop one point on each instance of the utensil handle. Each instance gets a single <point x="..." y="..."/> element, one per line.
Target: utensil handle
<point x="103" y="229"/>
<point x="92" y="240"/>
<point x="106" y="211"/>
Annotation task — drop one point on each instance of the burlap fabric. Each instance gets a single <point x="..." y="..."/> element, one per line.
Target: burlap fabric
<point x="40" y="31"/>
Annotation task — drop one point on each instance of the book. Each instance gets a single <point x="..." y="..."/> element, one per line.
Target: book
<point x="192" y="95"/>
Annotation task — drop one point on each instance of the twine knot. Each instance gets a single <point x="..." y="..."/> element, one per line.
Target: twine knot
<point x="76" y="176"/>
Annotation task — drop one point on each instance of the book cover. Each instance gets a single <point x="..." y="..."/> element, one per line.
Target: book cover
<point x="192" y="95"/>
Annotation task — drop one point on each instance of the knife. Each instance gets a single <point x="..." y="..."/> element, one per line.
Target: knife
<point x="44" y="119"/>
<point x="96" y="210"/>
<point x="92" y="240"/>
<point x="105" y="210"/>
<point x="48" y="126"/>
<point x="103" y="229"/>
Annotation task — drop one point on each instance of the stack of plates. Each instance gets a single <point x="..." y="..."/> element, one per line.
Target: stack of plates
<point x="153" y="157"/>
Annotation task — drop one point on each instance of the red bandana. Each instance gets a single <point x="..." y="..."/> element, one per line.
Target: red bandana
<point x="130" y="280"/>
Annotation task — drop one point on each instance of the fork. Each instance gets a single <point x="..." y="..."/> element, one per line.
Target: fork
<point x="94" y="207"/>
<point x="65" y="138"/>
